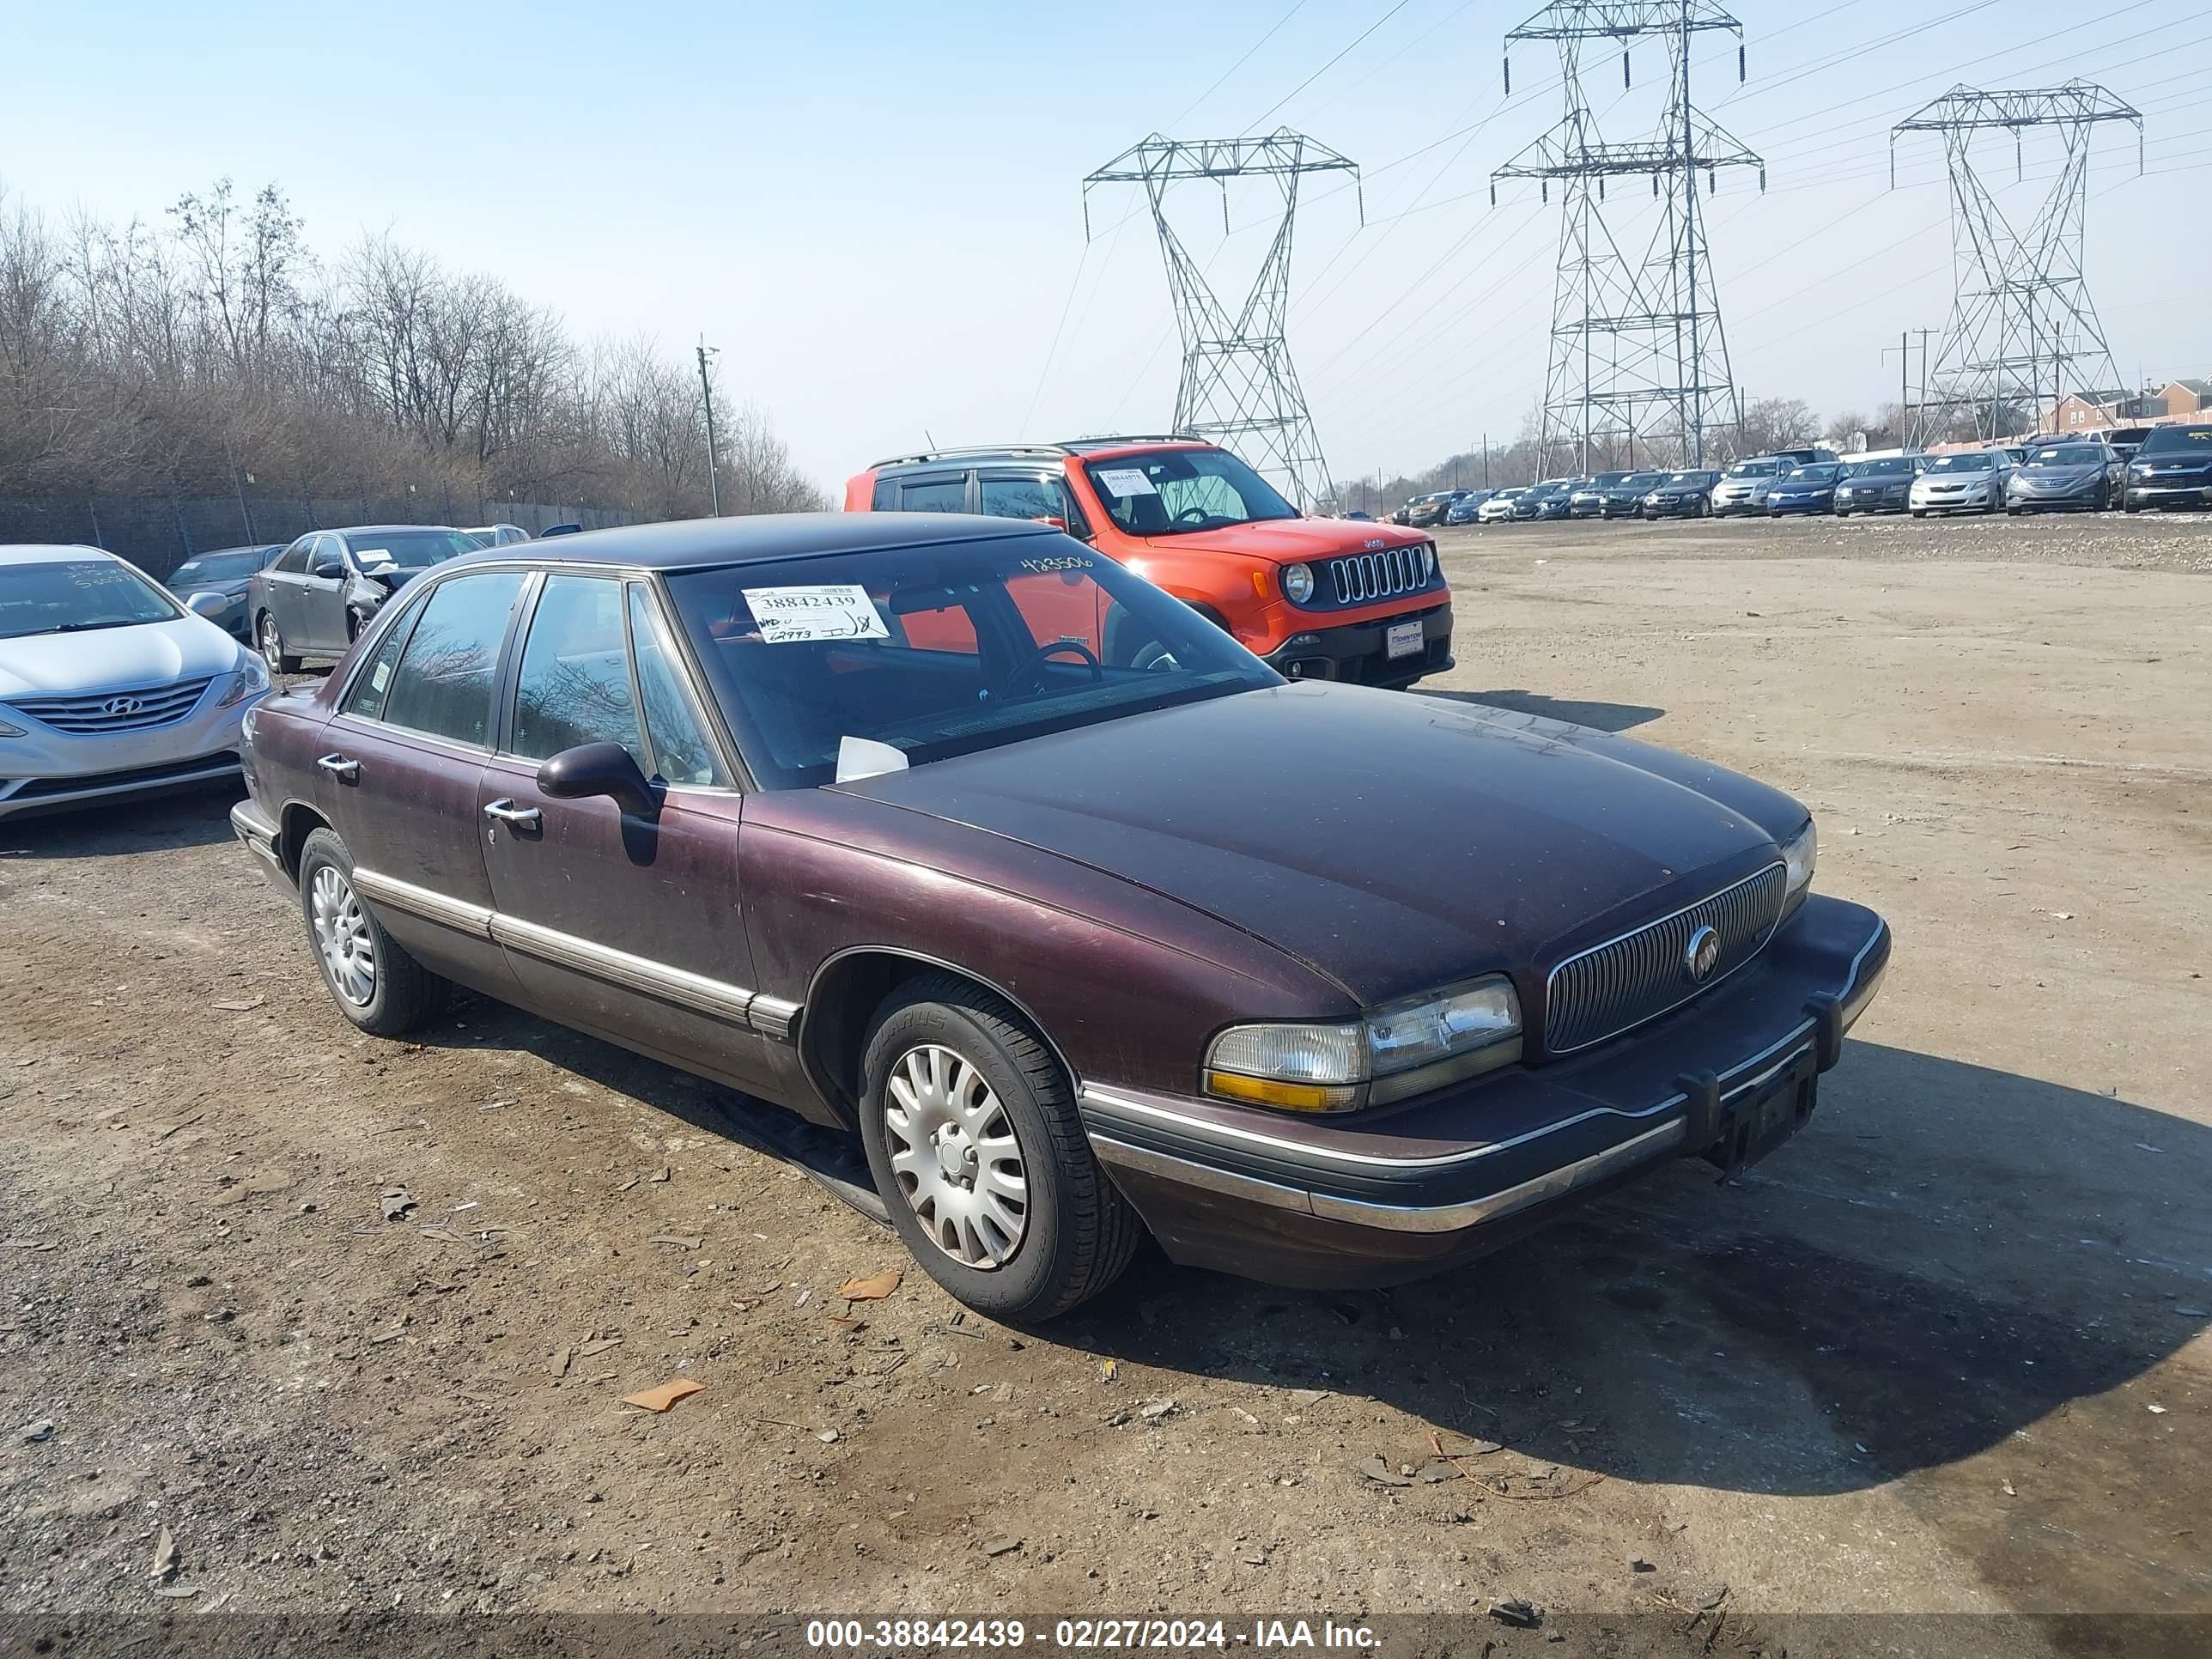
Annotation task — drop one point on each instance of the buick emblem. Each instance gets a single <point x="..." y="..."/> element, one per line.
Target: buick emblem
<point x="122" y="706"/>
<point x="1702" y="954"/>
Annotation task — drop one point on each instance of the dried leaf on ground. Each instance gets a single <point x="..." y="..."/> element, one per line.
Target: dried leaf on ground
<point x="660" y="1399"/>
<point x="165" y="1555"/>
<point x="244" y="1005"/>
<point x="873" y="1288"/>
<point x="685" y="1241"/>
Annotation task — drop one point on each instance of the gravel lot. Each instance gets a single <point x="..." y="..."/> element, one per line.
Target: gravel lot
<point x="1946" y="1354"/>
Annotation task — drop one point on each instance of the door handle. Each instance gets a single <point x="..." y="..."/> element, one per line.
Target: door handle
<point x="504" y="812"/>
<point x="341" y="767"/>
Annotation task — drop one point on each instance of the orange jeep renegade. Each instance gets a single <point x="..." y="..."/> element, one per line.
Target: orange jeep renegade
<point x="1318" y="599"/>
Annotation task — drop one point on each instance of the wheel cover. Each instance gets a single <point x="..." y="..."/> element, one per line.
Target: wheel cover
<point x="341" y="936"/>
<point x="272" y="642"/>
<point x="956" y="1157"/>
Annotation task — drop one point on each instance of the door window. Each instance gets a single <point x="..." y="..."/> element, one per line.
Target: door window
<point x="293" y="558"/>
<point x="674" y="731"/>
<point x="365" y="697"/>
<point x="943" y="493"/>
<point x="573" y="686"/>
<point x="328" y="558"/>
<point x="442" y="685"/>
<point x="1009" y="497"/>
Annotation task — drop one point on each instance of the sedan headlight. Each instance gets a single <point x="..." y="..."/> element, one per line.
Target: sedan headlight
<point x="1799" y="854"/>
<point x="253" y="676"/>
<point x="8" y="731"/>
<point x="1396" y="1052"/>
<point x="1297" y="583"/>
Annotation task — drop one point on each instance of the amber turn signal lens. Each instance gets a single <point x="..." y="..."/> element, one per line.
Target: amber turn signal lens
<point x="1286" y="1096"/>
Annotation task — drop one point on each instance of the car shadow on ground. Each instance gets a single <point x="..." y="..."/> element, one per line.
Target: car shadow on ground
<point x="1604" y="716"/>
<point x="195" y="818"/>
<point x="1950" y="1255"/>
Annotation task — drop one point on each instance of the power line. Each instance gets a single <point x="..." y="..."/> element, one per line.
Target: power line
<point x="1329" y="65"/>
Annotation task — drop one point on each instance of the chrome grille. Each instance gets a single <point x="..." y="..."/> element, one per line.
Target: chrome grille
<point x="1378" y="575"/>
<point x="116" y="711"/>
<point x="1607" y="989"/>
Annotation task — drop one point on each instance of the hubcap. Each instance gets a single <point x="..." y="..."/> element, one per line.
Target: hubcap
<point x="953" y="1151"/>
<point x="272" y="643"/>
<point x="342" y="935"/>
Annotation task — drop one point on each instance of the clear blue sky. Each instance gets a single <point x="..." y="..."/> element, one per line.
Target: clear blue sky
<point x="874" y="209"/>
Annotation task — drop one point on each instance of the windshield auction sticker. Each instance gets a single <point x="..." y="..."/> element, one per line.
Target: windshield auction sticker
<point x="833" y="612"/>
<point x="1125" y="481"/>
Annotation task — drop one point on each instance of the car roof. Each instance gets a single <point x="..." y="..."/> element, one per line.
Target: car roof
<point x="41" y="553"/>
<point x="381" y="529"/>
<point x="699" y="543"/>
<point x="1091" y="448"/>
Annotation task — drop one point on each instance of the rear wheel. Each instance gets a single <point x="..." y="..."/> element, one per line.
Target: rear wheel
<point x="374" y="981"/>
<point x="271" y="640"/>
<point x="974" y="1139"/>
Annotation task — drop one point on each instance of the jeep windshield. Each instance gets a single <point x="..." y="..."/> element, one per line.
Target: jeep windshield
<point x="861" y="663"/>
<point x="1173" y="492"/>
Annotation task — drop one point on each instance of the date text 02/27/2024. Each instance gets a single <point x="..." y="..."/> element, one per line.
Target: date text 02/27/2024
<point x="1086" y="1635"/>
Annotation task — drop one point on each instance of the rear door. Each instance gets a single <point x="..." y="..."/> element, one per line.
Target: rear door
<point x="630" y="926"/>
<point x="399" y="778"/>
<point x="280" y="588"/>
<point x="322" y="598"/>
<point x="936" y="492"/>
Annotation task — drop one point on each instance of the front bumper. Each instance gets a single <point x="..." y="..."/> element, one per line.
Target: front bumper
<point x="1727" y="506"/>
<point x="1680" y="507"/>
<point x="1980" y="500"/>
<point x="1320" y="1203"/>
<point x="1359" y="652"/>
<point x="1874" y="500"/>
<point x="45" y="770"/>
<point x="2075" y="496"/>
<point x="1776" y="507"/>
<point x="2197" y="492"/>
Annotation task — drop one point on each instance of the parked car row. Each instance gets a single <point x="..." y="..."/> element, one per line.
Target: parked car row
<point x="2171" y="467"/>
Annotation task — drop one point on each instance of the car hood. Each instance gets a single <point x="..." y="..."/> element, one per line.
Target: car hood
<point x="2170" y="462"/>
<point x="1394" y="842"/>
<point x="1291" y="541"/>
<point x="115" y="658"/>
<point x="2057" y="475"/>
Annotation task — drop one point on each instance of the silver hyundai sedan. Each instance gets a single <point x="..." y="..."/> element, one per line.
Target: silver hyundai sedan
<point x="109" y="686"/>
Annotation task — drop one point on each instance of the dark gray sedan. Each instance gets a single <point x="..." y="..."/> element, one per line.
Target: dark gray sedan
<point x="314" y="599"/>
<point x="223" y="571"/>
<point x="2082" y="477"/>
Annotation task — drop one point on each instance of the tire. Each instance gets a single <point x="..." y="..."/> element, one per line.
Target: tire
<point x="270" y="639"/>
<point x="2014" y="512"/>
<point x="401" y="993"/>
<point x="1076" y="1232"/>
<point x="1919" y="512"/>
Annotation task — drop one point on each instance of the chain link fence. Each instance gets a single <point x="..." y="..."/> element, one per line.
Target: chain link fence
<point x="158" y="532"/>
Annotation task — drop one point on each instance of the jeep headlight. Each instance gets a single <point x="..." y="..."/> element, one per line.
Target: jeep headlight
<point x="1799" y="854"/>
<point x="1396" y="1052"/>
<point x="1297" y="583"/>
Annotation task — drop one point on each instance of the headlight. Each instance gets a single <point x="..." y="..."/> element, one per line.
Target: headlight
<point x="1799" y="854"/>
<point x="253" y="676"/>
<point x="8" y="731"/>
<point x="1428" y="563"/>
<point x="1297" y="583"/>
<point x="1395" y="1053"/>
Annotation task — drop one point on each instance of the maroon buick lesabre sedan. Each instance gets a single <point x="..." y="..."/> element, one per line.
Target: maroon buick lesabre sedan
<point x="950" y="833"/>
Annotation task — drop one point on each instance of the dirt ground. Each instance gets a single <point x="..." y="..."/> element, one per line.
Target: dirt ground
<point x="1946" y="1354"/>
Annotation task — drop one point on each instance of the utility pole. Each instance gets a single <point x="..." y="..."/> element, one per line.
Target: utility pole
<point x="1485" y="460"/>
<point x="706" y="390"/>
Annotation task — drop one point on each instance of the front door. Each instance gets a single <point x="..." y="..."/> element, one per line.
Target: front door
<point x="627" y="924"/>
<point x="322" y="600"/>
<point x="282" y="587"/>
<point x="399" y="778"/>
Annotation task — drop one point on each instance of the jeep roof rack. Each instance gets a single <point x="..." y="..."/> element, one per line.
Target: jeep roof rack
<point x="1030" y="452"/>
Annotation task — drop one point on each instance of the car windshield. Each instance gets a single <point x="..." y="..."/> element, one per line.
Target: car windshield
<point x="409" y="548"/>
<point x="234" y="565"/>
<point x="2067" y="455"/>
<point x="1754" y="469"/>
<point x="869" y="662"/>
<point x="1608" y="480"/>
<point x="73" y="596"/>
<point x="1644" y="481"/>
<point x="1181" y="490"/>
<point x="1824" y="473"/>
<point x="1883" y="468"/>
<point x="2178" y="439"/>
<point x="1978" y="462"/>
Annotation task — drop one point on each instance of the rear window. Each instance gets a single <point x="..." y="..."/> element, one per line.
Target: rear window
<point x="2179" y="440"/>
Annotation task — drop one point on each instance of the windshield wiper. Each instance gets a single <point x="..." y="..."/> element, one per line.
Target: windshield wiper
<point x="80" y="628"/>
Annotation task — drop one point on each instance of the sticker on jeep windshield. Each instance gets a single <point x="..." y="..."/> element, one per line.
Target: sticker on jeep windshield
<point x="833" y="612"/>
<point x="1125" y="481"/>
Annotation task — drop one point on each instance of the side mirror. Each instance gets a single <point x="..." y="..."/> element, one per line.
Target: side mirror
<point x="598" y="769"/>
<point x="209" y="605"/>
<point x="1056" y="522"/>
<point x="325" y="564"/>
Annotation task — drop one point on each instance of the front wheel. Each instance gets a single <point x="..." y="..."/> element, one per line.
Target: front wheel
<point x="1919" y="512"/>
<point x="974" y="1139"/>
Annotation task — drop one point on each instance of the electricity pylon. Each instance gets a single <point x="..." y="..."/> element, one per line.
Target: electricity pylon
<point x="1238" y="387"/>
<point x="2022" y="329"/>
<point x="1637" y="350"/>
